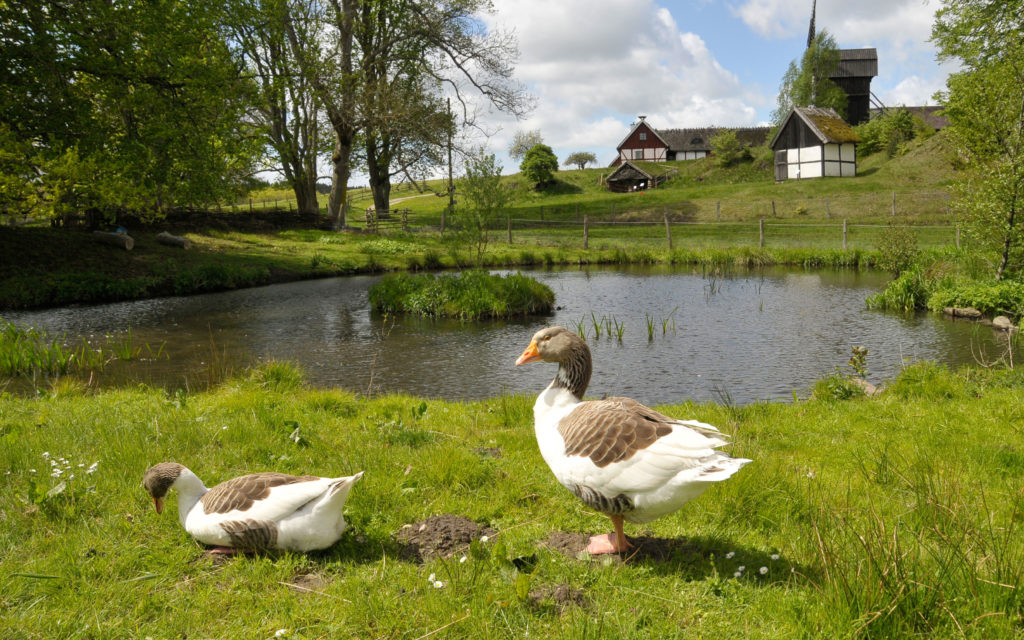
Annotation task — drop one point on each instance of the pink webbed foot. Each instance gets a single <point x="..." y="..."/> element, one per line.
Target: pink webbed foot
<point x="605" y="544"/>
<point x="226" y="551"/>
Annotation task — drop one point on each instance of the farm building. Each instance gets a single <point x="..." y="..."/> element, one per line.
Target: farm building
<point x="638" y="176"/>
<point x="647" y="144"/>
<point x="814" y="142"/>
<point x="853" y="75"/>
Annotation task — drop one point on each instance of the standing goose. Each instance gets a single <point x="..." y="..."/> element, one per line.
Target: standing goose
<point x="255" y="512"/>
<point x="616" y="455"/>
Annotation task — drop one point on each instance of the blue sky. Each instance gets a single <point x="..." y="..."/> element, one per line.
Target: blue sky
<point x="594" y="65"/>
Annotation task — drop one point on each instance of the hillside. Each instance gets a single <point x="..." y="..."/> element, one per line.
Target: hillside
<point x="705" y="192"/>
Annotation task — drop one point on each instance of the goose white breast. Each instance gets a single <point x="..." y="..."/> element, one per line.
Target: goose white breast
<point x="618" y="456"/>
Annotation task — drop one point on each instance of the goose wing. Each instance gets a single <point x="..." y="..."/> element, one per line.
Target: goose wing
<point x="264" y="496"/>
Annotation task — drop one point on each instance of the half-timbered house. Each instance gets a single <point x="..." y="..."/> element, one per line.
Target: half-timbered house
<point x="813" y="142"/>
<point x="644" y="143"/>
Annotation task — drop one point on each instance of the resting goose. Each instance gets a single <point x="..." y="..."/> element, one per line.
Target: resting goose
<point x="255" y="512"/>
<point x="616" y="455"/>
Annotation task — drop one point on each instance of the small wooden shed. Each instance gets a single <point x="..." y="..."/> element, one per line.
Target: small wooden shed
<point x="814" y="142"/>
<point x="638" y="176"/>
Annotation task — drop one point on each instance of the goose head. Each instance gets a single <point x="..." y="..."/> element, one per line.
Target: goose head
<point x="559" y="345"/>
<point x="163" y="477"/>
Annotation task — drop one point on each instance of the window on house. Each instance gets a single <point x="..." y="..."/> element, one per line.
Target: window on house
<point x="696" y="141"/>
<point x="638" y="154"/>
<point x="643" y="136"/>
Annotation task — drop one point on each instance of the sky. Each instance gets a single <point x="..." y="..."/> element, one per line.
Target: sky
<point x="593" y="66"/>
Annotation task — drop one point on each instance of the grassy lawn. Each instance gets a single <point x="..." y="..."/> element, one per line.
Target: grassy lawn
<point x="888" y="517"/>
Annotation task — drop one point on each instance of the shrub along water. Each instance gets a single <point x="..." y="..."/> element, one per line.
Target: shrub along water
<point x="469" y="295"/>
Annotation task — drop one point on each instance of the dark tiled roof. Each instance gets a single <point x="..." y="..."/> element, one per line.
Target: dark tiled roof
<point x="699" y="139"/>
<point x="825" y="123"/>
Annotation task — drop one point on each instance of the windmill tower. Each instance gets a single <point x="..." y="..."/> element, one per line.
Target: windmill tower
<point x="853" y="75"/>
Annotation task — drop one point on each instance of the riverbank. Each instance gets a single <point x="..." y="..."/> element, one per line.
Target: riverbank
<point x="891" y="516"/>
<point x="45" y="267"/>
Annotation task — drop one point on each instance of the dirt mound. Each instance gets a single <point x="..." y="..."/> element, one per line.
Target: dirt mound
<point x="439" y="536"/>
<point x="561" y="596"/>
<point x="645" y="548"/>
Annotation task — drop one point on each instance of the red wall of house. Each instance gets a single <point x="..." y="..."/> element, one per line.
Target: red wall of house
<point x="634" y="141"/>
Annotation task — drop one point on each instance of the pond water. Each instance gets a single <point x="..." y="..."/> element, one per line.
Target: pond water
<point x="738" y="337"/>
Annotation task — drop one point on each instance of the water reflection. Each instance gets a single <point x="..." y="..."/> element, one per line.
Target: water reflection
<point x="749" y="336"/>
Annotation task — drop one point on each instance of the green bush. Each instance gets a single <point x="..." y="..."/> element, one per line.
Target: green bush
<point x="897" y="248"/>
<point x="991" y="298"/>
<point x="470" y="295"/>
<point x="908" y="292"/>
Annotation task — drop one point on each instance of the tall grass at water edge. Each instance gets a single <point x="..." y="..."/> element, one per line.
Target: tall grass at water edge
<point x="888" y="517"/>
<point x="468" y="295"/>
<point x="26" y="351"/>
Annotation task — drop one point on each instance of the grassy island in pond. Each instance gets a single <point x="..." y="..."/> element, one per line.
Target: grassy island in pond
<point x="470" y="295"/>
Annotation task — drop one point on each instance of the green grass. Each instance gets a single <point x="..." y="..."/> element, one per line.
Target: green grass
<point x="888" y="517"/>
<point x="470" y="295"/>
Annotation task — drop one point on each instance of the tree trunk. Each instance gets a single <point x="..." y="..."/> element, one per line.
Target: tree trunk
<point x="337" y="207"/>
<point x="305" y="196"/>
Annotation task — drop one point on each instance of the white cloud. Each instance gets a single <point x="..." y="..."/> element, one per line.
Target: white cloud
<point x="596" y="64"/>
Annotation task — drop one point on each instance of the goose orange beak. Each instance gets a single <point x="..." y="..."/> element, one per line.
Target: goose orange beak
<point x="530" y="355"/>
<point x="158" y="504"/>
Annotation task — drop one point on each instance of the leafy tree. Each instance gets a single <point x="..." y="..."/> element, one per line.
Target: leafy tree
<point x="808" y="83"/>
<point x="285" y="109"/>
<point x="985" y="106"/>
<point x="539" y="165"/>
<point x="485" y="197"/>
<point x="140" y="101"/>
<point x="581" y="159"/>
<point x="888" y="131"/>
<point x="522" y="142"/>
<point x="728" y="150"/>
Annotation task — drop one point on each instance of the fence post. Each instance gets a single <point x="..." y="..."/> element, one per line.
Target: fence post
<point x="586" y="231"/>
<point x="894" y="203"/>
<point x="828" y="207"/>
<point x="761" y="228"/>
<point x="773" y="209"/>
<point x="577" y="212"/>
<point x="718" y="210"/>
<point x="508" y="218"/>
<point x="250" y="206"/>
<point x="613" y="213"/>
<point x="668" y="232"/>
<point x="844" y="234"/>
<point x="958" y="237"/>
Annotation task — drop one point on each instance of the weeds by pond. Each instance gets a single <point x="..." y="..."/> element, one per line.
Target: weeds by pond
<point x="469" y="295"/>
<point x="887" y="517"/>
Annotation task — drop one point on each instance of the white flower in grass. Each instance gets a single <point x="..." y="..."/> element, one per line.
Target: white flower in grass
<point x="56" y="473"/>
<point x="438" y="584"/>
<point x="484" y="538"/>
<point x="729" y="555"/>
<point x="92" y="467"/>
<point x="280" y="633"/>
<point x="775" y="556"/>
<point x="31" y="470"/>
<point x="738" y="574"/>
<point x="462" y="559"/>
<point x="763" y="570"/>
<point x="46" y="454"/>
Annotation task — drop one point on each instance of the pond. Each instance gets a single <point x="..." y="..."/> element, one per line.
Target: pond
<point x="738" y="337"/>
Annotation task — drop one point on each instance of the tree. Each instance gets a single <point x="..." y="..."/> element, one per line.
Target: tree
<point x="985" y="106"/>
<point x="581" y="159"/>
<point x="522" y="142"/>
<point x="123" y="106"/>
<point x="286" y="110"/>
<point x="808" y="83"/>
<point x="320" y="37"/>
<point x="539" y="165"/>
<point x="485" y="197"/>
<point x="727" y="149"/>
